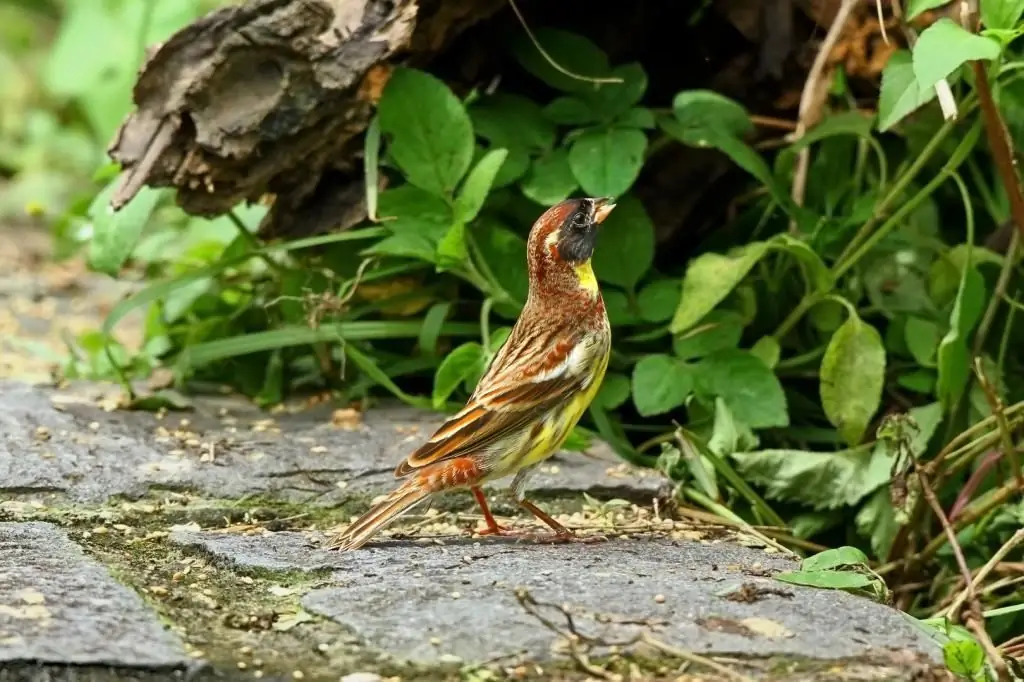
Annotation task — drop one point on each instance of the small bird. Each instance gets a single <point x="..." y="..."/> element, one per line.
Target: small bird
<point x="533" y="393"/>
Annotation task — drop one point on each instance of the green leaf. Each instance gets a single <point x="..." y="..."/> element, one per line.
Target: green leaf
<point x="431" y="136"/>
<point x="901" y="94"/>
<point x="944" y="47"/>
<point x="917" y="7"/>
<point x="115" y="234"/>
<point x="453" y="370"/>
<point x="697" y="111"/>
<point x="451" y="250"/>
<point x="718" y="330"/>
<point x="411" y="209"/>
<point x="834" y="558"/>
<point x="747" y="385"/>
<point x="614" y="391"/>
<point x="570" y="111"/>
<point x="922" y="337"/>
<point x="504" y="251"/>
<point x="625" y="244"/>
<point x="835" y="580"/>
<point x="478" y="184"/>
<point x="433" y="321"/>
<point x="606" y="162"/>
<point x="572" y="52"/>
<point x="877" y="521"/>
<point x="818" y="274"/>
<point x="953" y="360"/>
<point x="514" y="168"/>
<point x="512" y="121"/>
<point x="550" y="179"/>
<point x="609" y="100"/>
<point x="658" y="300"/>
<point x="767" y="350"/>
<point x="964" y="658"/>
<point x="830" y="480"/>
<point x="1001" y="14"/>
<point x="661" y="383"/>
<point x="709" y="279"/>
<point x="637" y="117"/>
<point x="852" y="378"/>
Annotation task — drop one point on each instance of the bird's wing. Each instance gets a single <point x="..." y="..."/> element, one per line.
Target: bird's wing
<point x="520" y="386"/>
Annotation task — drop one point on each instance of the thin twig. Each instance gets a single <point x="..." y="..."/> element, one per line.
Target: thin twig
<point x="550" y="60"/>
<point x="808" y="96"/>
<point x="691" y="657"/>
<point x="995" y="404"/>
<point x="974" y="621"/>
<point x="989" y="566"/>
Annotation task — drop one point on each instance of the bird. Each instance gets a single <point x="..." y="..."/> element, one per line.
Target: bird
<point x="532" y="394"/>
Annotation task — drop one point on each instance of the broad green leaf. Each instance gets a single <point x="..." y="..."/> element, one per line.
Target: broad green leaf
<point x="606" y="162"/>
<point x="451" y="250"/>
<point x="818" y="274"/>
<point x="920" y="381"/>
<point x="917" y="7"/>
<point x="698" y="110"/>
<point x="454" y="369"/>
<point x="830" y="579"/>
<point x="550" y="179"/>
<point x="478" y="184"/>
<point x="965" y="658"/>
<point x="512" y="121"/>
<point x="411" y="209"/>
<point x="621" y="311"/>
<point x="572" y="52"/>
<point x="115" y="234"/>
<point x="432" y="323"/>
<point x="953" y="360"/>
<point x="658" y="300"/>
<point x="852" y="378"/>
<point x="901" y="94"/>
<point x="922" y="337"/>
<point x="1001" y="14"/>
<point x="431" y="136"/>
<point x="661" y="383"/>
<point x="570" y="111"/>
<point x="834" y="558"/>
<point x="625" y="244"/>
<point x="504" y="251"/>
<point x="843" y="123"/>
<point x="831" y="480"/>
<point x="709" y="279"/>
<point x="877" y="520"/>
<point x="637" y="117"/>
<point x="944" y="47"/>
<point x="718" y="330"/>
<point x="517" y="163"/>
<point x="609" y="100"/>
<point x="727" y="436"/>
<point x="614" y="391"/>
<point x="747" y="385"/>
<point x="767" y="350"/>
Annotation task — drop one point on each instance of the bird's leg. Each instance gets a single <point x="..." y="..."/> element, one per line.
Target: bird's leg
<point x="561" y="533"/>
<point x="492" y="526"/>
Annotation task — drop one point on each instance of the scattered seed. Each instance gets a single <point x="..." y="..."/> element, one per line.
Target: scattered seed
<point x="659" y="598"/>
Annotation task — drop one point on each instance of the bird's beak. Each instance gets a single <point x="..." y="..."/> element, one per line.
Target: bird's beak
<point x="602" y="207"/>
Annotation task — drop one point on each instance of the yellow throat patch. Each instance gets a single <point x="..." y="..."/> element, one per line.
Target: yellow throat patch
<point x="585" y="274"/>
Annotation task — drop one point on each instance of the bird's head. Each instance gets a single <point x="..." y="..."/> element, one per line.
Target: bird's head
<point x="562" y="243"/>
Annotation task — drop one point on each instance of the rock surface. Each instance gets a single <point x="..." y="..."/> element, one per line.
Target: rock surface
<point x="430" y="603"/>
<point x="62" y="443"/>
<point x="59" y="606"/>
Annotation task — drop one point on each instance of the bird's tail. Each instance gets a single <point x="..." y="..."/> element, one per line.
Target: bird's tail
<point x="380" y="516"/>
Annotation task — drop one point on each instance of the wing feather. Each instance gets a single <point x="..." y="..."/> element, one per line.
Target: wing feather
<point x="517" y="389"/>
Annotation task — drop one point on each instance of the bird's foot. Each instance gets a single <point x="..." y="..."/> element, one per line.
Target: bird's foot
<point x="499" y="530"/>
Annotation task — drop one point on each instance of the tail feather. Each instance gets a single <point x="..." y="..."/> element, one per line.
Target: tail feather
<point x="380" y="516"/>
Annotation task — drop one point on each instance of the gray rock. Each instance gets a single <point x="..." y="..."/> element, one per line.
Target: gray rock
<point x="63" y="443"/>
<point x="399" y="597"/>
<point x="59" y="606"/>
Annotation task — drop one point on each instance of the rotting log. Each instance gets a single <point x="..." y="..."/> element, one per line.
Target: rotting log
<point x="263" y="100"/>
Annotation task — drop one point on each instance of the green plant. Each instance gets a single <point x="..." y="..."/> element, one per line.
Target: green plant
<point x="805" y="373"/>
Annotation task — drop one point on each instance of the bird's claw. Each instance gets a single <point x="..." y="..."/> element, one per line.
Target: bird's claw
<point x="562" y="538"/>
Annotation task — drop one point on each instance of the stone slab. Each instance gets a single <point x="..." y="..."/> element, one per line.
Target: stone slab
<point x="59" y="606"/>
<point x="63" y="443"/>
<point x="428" y="603"/>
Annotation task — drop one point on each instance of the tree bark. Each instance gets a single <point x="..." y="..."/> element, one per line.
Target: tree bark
<point x="264" y="100"/>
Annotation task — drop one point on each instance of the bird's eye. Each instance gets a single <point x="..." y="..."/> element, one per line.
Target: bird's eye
<point x="579" y="219"/>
